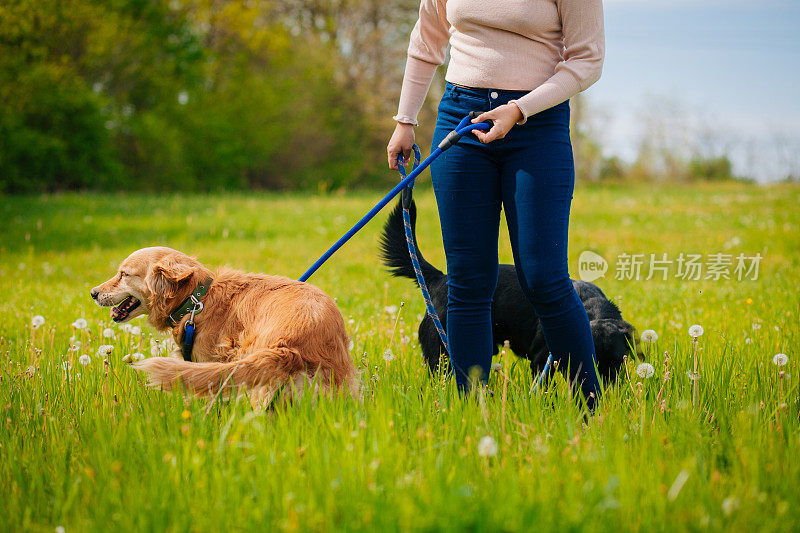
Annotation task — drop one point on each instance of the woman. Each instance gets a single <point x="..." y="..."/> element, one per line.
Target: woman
<point x="518" y="61"/>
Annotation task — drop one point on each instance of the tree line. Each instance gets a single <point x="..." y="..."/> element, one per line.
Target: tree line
<point x="209" y="95"/>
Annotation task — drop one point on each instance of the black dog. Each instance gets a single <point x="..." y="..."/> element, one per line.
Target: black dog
<point x="513" y="317"/>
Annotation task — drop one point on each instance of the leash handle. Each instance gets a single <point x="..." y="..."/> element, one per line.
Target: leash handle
<point x="475" y="114"/>
<point x="406" y="196"/>
<point x="401" y="167"/>
<point x="463" y="127"/>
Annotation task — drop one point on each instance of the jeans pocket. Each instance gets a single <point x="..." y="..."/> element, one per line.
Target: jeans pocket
<point x="466" y="97"/>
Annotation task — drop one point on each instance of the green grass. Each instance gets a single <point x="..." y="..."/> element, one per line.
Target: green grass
<point x="92" y="449"/>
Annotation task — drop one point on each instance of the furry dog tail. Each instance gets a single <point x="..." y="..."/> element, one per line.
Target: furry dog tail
<point x="267" y="369"/>
<point x="394" y="249"/>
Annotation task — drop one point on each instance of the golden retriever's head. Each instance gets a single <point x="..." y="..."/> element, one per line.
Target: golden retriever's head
<point x="151" y="281"/>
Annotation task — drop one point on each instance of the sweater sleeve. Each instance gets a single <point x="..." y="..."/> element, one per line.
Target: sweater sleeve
<point x="426" y="50"/>
<point x="584" y="50"/>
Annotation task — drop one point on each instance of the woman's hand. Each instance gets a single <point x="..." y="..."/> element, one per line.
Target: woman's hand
<point x="401" y="142"/>
<point x="504" y="117"/>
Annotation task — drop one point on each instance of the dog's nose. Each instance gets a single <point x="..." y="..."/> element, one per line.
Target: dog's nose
<point x="95" y="293"/>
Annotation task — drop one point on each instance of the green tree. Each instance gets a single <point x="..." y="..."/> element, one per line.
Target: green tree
<point x="142" y="94"/>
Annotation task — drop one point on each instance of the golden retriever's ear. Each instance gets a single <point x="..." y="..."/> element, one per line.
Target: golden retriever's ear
<point x="172" y="269"/>
<point x="167" y="277"/>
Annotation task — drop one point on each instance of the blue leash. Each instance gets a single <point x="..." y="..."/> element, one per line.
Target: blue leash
<point x="465" y="126"/>
<point x="412" y="248"/>
<point x="406" y="186"/>
<point x="544" y="373"/>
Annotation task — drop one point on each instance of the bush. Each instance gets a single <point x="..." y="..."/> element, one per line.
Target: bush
<point x="54" y="134"/>
<point x="710" y="169"/>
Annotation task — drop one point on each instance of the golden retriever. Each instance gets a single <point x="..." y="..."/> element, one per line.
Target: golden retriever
<point x="263" y="334"/>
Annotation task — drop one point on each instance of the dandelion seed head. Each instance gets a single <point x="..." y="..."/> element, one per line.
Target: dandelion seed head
<point x="487" y="447"/>
<point x="388" y="355"/>
<point x="155" y="348"/>
<point x="729" y="505"/>
<point x="497" y="367"/>
<point x="645" y="370"/>
<point x="108" y="333"/>
<point x="126" y="328"/>
<point x="649" y="336"/>
<point x="780" y="359"/>
<point x="80" y="323"/>
<point x="696" y="331"/>
<point x="390" y="309"/>
<point x="136" y="331"/>
<point x="37" y="321"/>
<point x="105" y="350"/>
<point x="84" y="359"/>
<point x="126" y="358"/>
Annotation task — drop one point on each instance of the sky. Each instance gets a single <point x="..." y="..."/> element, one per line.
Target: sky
<point x="729" y="70"/>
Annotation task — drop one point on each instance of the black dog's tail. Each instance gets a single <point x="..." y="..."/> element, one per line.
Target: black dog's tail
<point x="394" y="249"/>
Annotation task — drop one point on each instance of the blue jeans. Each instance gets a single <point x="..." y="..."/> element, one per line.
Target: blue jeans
<point x="531" y="174"/>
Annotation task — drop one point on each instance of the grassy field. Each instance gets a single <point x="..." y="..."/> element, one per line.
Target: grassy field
<point x="88" y="448"/>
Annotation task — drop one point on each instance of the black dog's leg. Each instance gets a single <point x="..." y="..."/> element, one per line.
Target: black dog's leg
<point x="432" y="347"/>
<point x="537" y="352"/>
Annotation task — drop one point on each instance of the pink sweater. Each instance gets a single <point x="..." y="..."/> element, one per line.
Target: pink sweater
<point x="552" y="48"/>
